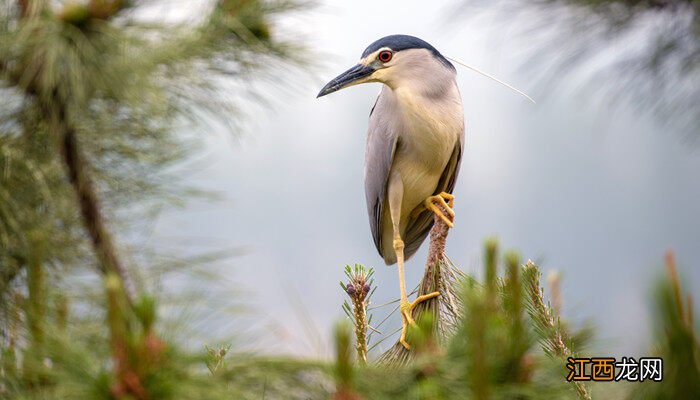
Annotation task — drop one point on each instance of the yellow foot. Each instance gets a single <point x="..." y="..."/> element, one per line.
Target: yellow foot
<point x="406" y="309"/>
<point x="447" y="201"/>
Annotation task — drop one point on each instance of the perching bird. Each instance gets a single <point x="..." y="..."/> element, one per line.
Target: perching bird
<point x="414" y="148"/>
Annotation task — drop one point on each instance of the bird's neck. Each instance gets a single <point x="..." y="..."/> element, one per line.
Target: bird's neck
<point x="426" y="113"/>
<point x="443" y="94"/>
<point x="423" y="86"/>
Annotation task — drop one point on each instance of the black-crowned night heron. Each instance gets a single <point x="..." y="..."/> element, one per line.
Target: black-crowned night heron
<point x="414" y="147"/>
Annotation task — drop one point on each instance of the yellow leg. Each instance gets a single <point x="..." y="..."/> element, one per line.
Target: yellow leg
<point x="406" y="307"/>
<point x="395" y="196"/>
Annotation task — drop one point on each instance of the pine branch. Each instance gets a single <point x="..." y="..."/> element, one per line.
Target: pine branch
<point x="344" y="373"/>
<point x="440" y="275"/>
<point x="548" y="331"/>
<point x="91" y="213"/>
<point x="359" y="288"/>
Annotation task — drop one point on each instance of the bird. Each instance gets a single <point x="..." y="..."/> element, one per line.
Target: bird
<point x="414" y="148"/>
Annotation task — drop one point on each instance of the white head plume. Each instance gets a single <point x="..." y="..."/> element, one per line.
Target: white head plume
<point x="520" y="92"/>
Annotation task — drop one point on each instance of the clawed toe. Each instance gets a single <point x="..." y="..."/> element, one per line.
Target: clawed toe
<point x="406" y="310"/>
<point x="445" y="200"/>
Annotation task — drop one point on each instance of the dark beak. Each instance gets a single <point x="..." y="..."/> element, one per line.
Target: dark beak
<point x="347" y="78"/>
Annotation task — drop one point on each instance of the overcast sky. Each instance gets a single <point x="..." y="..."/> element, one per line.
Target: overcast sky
<point x="596" y="195"/>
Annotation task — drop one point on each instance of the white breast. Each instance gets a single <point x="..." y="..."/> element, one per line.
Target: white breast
<point x="431" y="131"/>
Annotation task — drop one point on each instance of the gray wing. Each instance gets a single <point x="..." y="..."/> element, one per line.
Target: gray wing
<point x="379" y="154"/>
<point x="419" y="227"/>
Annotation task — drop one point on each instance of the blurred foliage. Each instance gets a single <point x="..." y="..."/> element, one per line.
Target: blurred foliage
<point x="512" y="344"/>
<point x="97" y="102"/>
<point x="509" y="344"/>
<point x="676" y="340"/>
<point x="642" y="54"/>
<point x="123" y="88"/>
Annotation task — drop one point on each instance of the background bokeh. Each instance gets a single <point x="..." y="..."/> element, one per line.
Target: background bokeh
<point x="585" y="185"/>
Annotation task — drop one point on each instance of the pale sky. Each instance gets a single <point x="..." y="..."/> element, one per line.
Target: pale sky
<point x="596" y="194"/>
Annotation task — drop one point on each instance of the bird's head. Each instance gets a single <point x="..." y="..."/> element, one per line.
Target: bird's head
<point x="396" y="61"/>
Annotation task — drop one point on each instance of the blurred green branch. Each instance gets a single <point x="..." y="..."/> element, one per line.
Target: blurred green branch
<point x="94" y="102"/>
<point x="641" y="53"/>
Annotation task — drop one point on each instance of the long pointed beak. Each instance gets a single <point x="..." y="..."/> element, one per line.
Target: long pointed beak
<point x="353" y="76"/>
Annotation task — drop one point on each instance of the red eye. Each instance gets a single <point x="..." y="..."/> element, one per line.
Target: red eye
<point x="385" y="56"/>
